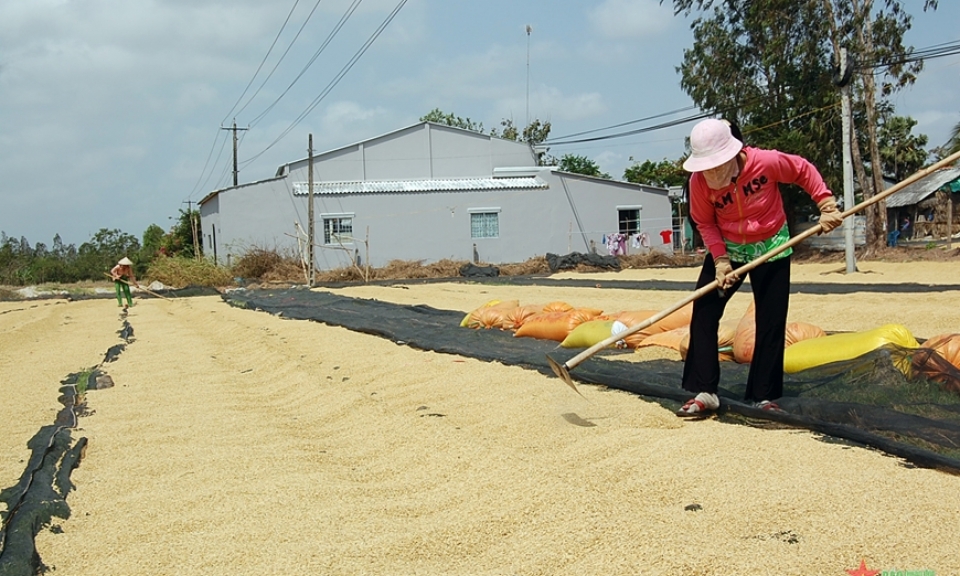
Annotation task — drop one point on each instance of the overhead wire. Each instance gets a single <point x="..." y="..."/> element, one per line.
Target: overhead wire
<point x="198" y="186"/>
<point x="935" y="51"/>
<point x="267" y="55"/>
<point x="206" y="163"/>
<point x="216" y="162"/>
<point x="622" y="124"/>
<point x="333" y="83"/>
<point x="343" y="19"/>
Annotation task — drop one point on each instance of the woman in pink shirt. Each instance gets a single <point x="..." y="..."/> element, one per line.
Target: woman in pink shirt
<point x="736" y="204"/>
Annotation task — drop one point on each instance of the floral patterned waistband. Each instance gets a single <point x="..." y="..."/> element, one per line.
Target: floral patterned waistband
<point x="744" y="253"/>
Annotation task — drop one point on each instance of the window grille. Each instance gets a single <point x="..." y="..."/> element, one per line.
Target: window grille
<point x="485" y="225"/>
<point x="337" y="230"/>
<point x="629" y="219"/>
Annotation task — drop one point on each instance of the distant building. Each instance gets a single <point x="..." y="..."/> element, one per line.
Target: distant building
<point x="429" y="192"/>
<point x="929" y="204"/>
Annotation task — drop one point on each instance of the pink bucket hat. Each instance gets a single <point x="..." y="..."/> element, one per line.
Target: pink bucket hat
<point x="711" y="144"/>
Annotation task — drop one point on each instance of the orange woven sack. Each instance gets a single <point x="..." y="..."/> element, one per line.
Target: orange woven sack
<point x="745" y="338"/>
<point x="474" y="319"/>
<point x="797" y="331"/>
<point x="678" y="319"/>
<point x="557" y="306"/>
<point x="555" y="325"/>
<point x="947" y="346"/>
<point x="519" y="315"/>
<point x="495" y="317"/>
<point x="725" y="334"/>
<point x="672" y="339"/>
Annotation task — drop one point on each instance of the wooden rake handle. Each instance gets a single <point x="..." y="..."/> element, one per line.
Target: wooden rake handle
<point x="563" y="370"/>
<point x="140" y="287"/>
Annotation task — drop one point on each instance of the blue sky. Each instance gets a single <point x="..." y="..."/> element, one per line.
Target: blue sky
<point x="111" y="110"/>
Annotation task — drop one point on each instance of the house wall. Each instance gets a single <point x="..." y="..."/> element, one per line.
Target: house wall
<point x="590" y="209"/>
<point x="561" y="218"/>
<point x="423" y="151"/>
<point x="260" y="215"/>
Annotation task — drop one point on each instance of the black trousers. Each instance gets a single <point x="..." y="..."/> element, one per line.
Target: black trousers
<point x="770" y="282"/>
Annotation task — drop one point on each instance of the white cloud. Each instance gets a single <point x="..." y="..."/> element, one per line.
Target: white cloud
<point x="346" y="122"/>
<point x="551" y="103"/>
<point x="612" y="163"/>
<point x="631" y="18"/>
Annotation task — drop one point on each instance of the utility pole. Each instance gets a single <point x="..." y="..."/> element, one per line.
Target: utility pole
<point x="311" y="271"/>
<point x="234" y="129"/>
<point x="849" y="201"/>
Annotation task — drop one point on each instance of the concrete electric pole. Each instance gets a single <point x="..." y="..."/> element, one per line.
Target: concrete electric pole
<point x="234" y="130"/>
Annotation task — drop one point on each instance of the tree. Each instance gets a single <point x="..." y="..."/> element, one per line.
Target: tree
<point x="103" y="250"/>
<point x="953" y="145"/>
<point x="768" y="65"/>
<point x="664" y="174"/>
<point x="581" y="165"/>
<point x="438" y="116"/>
<point x="534" y="134"/>
<point x="179" y="241"/>
<point x="152" y="242"/>
<point x="901" y="152"/>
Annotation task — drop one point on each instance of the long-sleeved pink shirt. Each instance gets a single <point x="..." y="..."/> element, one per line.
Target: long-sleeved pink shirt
<point x="751" y="208"/>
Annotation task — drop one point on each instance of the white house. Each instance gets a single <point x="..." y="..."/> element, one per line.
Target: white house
<point x="429" y="192"/>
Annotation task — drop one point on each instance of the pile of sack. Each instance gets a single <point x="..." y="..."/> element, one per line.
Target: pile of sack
<point x="807" y="345"/>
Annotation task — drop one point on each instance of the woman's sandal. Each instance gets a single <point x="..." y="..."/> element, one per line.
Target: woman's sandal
<point x="696" y="408"/>
<point x="769" y="406"/>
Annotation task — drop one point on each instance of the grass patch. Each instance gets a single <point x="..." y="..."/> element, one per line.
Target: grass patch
<point x="181" y="272"/>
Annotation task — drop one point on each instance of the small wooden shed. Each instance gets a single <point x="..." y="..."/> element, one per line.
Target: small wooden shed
<point x="931" y="204"/>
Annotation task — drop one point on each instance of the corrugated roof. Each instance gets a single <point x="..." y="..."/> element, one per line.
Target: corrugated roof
<point x="916" y="192"/>
<point x="434" y="185"/>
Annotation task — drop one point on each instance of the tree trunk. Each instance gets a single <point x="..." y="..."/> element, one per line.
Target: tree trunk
<point x="876" y="214"/>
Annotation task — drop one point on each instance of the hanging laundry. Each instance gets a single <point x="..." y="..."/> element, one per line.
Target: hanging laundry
<point x="617" y="244"/>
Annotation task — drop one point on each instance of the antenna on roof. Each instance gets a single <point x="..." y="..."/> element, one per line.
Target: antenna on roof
<point x="527" y="121"/>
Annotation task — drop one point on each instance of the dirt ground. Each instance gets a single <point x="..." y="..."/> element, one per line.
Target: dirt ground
<point x="236" y="442"/>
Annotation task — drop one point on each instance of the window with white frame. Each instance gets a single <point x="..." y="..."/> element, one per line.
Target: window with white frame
<point x="338" y="229"/>
<point x="484" y="222"/>
<point x="628" y="218"/>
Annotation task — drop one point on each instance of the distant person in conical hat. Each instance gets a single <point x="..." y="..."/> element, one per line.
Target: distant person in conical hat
<point x="123" y="276"/>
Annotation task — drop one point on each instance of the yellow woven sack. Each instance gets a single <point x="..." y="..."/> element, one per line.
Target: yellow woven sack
<point x="589" y="333"/>
<point x="837" y="347"/>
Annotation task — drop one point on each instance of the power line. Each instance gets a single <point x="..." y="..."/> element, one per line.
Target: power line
<point x="334" y="82"/>
<point x="932" y="52"/>
<point x="262" y="62"/>
<point x="343" y="19"/>
<point x="622" y="124"/>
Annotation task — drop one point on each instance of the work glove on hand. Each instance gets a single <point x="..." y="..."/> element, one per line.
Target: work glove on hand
<point x="830" y="217"/>
<point x="723" y="268"/>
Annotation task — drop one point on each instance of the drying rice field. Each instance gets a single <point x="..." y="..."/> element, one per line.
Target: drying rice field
<point x="240" y="443"/>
